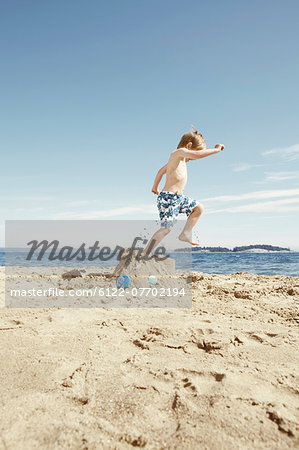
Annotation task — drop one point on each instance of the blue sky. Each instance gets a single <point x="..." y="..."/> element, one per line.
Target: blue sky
<point x="95" y="95"/>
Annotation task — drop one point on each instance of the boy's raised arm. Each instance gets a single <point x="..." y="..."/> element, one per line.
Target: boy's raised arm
<point x="158" y="178"/>
<point x="197" y="154"/>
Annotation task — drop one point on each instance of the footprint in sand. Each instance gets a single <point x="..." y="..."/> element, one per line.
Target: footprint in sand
<point x="203" y="382"/>
<point x="188" y="384"/>
<point x="151" y="335"/>
<point x="77" y="383"/>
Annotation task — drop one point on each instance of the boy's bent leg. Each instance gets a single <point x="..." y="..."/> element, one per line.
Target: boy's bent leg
<point x="155" y="240"/>
<point x="186" y="234"/>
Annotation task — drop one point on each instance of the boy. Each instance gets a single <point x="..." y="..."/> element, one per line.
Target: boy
<point x="171" y="200"/>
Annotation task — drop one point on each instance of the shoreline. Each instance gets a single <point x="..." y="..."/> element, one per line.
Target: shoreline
<point x="241" y="251"/>
<point x="110" y="268"/>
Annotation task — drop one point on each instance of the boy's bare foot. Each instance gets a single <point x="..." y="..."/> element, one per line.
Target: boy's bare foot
<point x="187" y="237"/>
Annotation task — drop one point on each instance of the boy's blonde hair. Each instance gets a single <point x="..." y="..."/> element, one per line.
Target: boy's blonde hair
<point x="197" y="140"/>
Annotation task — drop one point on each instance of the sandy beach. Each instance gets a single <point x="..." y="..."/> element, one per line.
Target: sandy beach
<point x="219" y="375"/>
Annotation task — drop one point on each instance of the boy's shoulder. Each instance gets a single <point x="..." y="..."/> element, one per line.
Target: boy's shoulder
<point x="177" y="152"/>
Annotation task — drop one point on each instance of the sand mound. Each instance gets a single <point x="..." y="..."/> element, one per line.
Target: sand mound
<point x="131" y="264"/>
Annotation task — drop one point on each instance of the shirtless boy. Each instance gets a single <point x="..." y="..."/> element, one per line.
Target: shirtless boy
<point x="171" y="201"/>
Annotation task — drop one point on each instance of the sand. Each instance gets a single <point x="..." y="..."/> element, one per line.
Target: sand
<point x="219" y="375"/>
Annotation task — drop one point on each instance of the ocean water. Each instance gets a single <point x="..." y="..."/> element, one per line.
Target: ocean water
<point x="222" y="263"/>
<point x="258" y="263"/>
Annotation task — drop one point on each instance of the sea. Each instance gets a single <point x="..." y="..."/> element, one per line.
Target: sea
<point x="280" y="263"/>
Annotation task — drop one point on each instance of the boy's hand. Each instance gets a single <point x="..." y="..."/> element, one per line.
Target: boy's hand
<point x="155" y="191"/>
<point x="219" y="146"/>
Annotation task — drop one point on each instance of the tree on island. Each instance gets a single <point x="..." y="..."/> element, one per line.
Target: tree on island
<point x="260" y="246"/>
<point x="235" y="249"/>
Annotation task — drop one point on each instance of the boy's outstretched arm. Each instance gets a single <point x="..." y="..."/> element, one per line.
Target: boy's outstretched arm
<point x="158" y="178"/>
<point x="197" y="154"/>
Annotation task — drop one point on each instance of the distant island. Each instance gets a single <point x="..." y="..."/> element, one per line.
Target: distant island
<point x="258" y="248"/>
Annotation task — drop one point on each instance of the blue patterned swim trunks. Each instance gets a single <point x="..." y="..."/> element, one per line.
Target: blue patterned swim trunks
<point x="170" y="205"/>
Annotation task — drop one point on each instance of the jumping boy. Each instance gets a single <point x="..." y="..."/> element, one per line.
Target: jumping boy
<point x="171" y="201"/>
